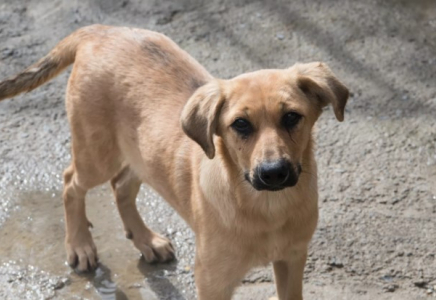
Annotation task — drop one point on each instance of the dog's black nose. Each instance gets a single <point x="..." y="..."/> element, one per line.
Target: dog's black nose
<point x="274" y="173"/>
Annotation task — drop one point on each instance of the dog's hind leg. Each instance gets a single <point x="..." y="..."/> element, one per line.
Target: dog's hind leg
<point x="81" y="250"/>
<point x="153" y="246"/>
<point x="96" y="159"/>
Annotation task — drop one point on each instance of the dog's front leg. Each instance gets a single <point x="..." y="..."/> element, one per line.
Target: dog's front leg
<point x="289" y="276"/>
<point x="218" y="272"/>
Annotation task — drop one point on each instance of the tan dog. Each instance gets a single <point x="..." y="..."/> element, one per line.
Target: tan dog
<point x="243" y="176"/>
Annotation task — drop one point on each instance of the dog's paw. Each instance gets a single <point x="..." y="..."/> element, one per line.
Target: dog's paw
<point x="82" y="254"/>
<point x="155" y="249"/>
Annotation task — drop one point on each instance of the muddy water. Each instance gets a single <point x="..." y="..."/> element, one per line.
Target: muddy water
<point x="32" y="256"/>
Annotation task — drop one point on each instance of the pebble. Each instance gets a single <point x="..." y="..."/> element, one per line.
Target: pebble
<point x="336" y="263"/>
<point x="135" y="286"/>
<point x="390" y="288"/>
<point x="7" y="52"/>
<point x="420" y="283"/>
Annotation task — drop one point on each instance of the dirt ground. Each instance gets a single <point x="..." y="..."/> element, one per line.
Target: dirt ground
<point x="376" y="237"/>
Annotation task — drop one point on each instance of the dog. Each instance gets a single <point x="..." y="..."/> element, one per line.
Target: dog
<point x="235" y="158"/>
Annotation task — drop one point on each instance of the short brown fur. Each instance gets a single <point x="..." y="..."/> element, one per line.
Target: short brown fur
<point x="131" y="97"/>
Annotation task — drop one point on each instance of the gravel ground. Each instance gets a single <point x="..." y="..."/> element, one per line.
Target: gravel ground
<point x="377" y="170"/>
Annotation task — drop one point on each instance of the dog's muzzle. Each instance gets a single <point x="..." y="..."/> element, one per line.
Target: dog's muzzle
<point x="274" y="175"/>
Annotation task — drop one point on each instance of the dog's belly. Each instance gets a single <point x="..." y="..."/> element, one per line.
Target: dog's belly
<point x="162" y="162"/>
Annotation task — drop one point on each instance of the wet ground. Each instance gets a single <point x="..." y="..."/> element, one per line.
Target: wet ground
<point x="35" y="267"/>
<point x="376" y="237"/>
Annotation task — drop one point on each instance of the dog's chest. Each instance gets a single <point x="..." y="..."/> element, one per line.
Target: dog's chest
<point x="274" y="246"/>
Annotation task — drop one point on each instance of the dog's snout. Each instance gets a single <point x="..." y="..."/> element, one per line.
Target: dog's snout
<point x="274" y="173"/>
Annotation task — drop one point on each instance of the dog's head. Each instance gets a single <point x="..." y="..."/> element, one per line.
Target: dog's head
<point x="264" y="119"/>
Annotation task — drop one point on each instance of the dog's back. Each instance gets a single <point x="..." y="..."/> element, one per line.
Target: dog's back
<point x="124" y="81"/>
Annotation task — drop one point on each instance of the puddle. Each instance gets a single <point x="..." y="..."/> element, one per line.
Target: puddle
<point x="32" y="255"/>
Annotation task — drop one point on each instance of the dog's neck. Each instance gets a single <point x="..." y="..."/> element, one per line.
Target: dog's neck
<point x="233" y="198"/>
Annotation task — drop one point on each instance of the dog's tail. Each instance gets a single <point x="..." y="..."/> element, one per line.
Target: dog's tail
<point x="46" y="68"/>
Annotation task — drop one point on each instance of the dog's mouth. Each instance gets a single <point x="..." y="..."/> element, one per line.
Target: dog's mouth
<point x="260" y="182"/>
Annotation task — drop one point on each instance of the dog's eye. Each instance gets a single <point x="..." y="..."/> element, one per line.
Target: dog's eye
<point x="242" y="126"/>
<point x="291" y="119"/>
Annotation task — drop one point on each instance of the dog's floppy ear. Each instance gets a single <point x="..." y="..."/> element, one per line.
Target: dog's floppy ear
<point x="317" y="80"/>
<point x="200" y="115"/>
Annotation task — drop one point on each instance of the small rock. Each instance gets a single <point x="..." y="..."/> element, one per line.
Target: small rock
<point x="326" y="269"/>
<point x="135" y="286"/>
<point x="390" y="288"/>
<point x="65" y="280"/>
<point x="7" y="52"/>
<point x="420" y="283"/>
<point x="280" y="36"/>
<point x="387" y="278"/>
<point x="334" y="262"/>
<point x="167" y="17"/>
<point x="395" y="201"/>
<point x="58" y="285"/>
<point x="382" y="201"/>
